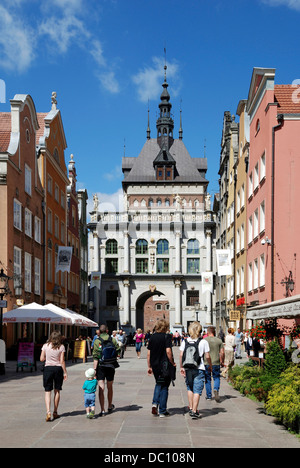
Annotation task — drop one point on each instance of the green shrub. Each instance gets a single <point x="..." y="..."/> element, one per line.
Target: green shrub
<point x="275" y="362"/>
<point x="284" y="398"/>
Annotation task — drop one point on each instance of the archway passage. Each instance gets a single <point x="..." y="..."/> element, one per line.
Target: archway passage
<point x="150" y="307"/>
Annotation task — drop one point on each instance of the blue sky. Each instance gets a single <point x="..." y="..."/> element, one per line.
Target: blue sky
<point x="105" y="59"/>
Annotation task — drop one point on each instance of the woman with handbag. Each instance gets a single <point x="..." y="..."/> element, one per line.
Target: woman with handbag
<point x="55" y="372"/>
<point x="160" y="350"/>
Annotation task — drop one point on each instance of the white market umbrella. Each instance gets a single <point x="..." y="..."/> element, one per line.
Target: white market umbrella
<point x="85" y="321"/>
<point x="65" y="313"/>
<point x="35" y="313"/>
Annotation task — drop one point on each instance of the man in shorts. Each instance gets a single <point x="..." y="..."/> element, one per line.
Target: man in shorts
<point x="105" y="371"/>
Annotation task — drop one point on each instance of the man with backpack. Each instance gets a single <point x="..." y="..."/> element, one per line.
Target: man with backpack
<point x="192" y="352"/>
<point x="105" y="353"/>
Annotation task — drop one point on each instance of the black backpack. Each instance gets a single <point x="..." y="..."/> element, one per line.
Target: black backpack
<point x="108" y="351"/>
<point x="191" y="358"/>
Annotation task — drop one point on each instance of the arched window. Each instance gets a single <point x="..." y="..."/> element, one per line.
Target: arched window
<point x="150" y="202"/>
<point x="162" y="247"/>
<point x="158" y="202"/>
<point x="141" y="247"/>
<point x="193" y="247"/>
<point x="167" y="202"/>
<point x="111" y="246"/>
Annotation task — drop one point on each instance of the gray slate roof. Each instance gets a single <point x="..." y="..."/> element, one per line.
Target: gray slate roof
<point x="141" y="169"/>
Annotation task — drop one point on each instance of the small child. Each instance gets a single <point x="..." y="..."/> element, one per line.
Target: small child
<point x="90" y="387"/>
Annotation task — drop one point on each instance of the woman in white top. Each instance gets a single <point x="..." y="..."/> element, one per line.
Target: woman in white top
<point x="229" y="351"/>
<point x="55" y="373"/>
<point x="195" y="377"/>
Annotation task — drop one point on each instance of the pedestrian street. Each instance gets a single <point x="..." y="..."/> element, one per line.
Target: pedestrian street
<point x="235" y="422"/>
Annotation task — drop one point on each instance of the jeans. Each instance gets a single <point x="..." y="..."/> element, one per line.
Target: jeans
<point x="160" y="396"/>
<point x="216" y="376"/>
<point x="195" y="380"/>
<point x="238" y="349"/>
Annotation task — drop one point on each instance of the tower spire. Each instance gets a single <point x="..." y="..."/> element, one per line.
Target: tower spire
<point x="165" y="123"/>
<point x="180" y="128"/>
<point x="148" y="129"/>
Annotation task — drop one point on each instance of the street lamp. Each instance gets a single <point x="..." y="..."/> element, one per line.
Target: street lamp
<point x="197" y="307"/>
<point x="289" y="284"/>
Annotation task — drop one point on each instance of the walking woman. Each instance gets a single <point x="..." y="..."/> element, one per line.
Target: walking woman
<point x="55" y="373"/>
<point x="139" y="338"/>
<point x="229" y="352"/>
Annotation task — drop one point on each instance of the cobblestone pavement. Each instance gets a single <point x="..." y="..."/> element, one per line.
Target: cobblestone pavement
<point x="235" y="422"/>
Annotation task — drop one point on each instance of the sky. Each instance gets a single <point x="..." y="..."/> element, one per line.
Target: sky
<point x="105" y="60"/>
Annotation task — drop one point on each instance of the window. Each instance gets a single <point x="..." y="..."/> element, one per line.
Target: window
<point x="37" y="230"/>
<point x="37" y="276"/>
<point x="27" y="179"/>
<point x="242" y="196"/>
<point x="242" y="236"/>
<point x="250" y="233"/>
<point x="167" y="202"/>
<point x="263" y="167"/>
<point x="158" y="202"/>
<point x="141" y="247"/>
<point x="238" y="241"/>
<point x="17" y="215"/>
<point x="250" y="191"/>
<point x="27" y="282"/>
<point x="193" y="247"/>
<point x="49" y="262"/>
<point x="112" y="298"/>
<point x="192" y="298"/>
<point x="256" y="176"/>
<point x="62" y="199"/>
<point x="150" y="202"/>
<point x="62" y="232"/>
<point x="162" y="247"/>
<point x="242" y="280"/>
<point x="262" y="271"/>
<point x="49" y="184"/>
<point x="111" y="247"/>
<point x="49" y="221"/>
<point x="56" y="226"/>
<point x="162" y="265"/>
<point x="193" y="265"/>
<point x="262" y="217"/>
<point x="28" y="222"/>
<point x="255" y="274"/>
<point x="56" y="193"/>
<point x="111" y="266"/>
<point x="255" y="225"/>
<point x="141" y="265"/>
<point x="17" y="270"/>
<point x="250" y="279"/>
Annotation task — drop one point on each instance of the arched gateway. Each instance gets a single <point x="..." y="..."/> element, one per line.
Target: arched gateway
<point x="150" y="307"/>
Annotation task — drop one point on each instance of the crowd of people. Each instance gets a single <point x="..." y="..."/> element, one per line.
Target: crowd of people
<point x="202" y="355"/>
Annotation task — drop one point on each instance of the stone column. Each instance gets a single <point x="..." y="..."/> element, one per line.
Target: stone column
<point x="126" y="252"/>
<point x="96" y="262"/>
<point x="177" y="302"/>
<point x="177" y="252"/>
<point x="126" y="300"/>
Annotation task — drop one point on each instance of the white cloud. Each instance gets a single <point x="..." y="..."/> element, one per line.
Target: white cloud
<point x="293" y="4"/>
<point x="109" y="81"/>
<point x="116" y="173"/>
<point x="17" y="42"/>
<point x="149" y="80"/>
<point x="63" y="32"/>
<point x="111" y="202"/>
<point x="59" y="25"/>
